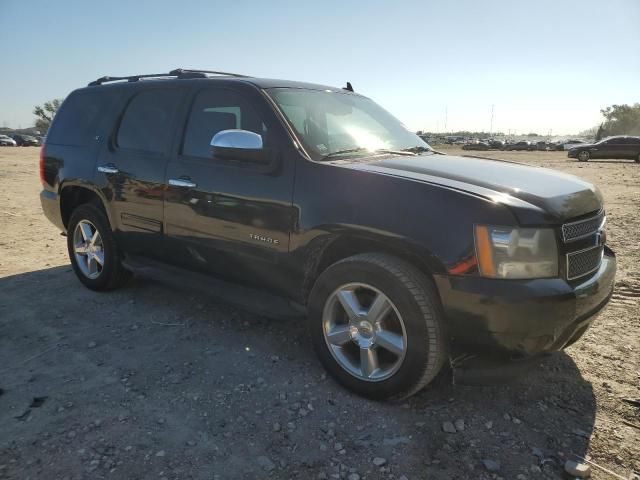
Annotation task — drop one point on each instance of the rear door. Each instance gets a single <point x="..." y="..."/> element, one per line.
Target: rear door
<point x="132" y="168"/>
<point x="231" y="217"/>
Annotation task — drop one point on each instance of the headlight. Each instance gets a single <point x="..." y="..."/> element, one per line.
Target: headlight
<point x="506" y="252"/>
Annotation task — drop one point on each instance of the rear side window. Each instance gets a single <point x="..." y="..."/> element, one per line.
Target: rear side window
<point x="214" y="110"/>
<point x="77" y="119"/>
<point x="147" y="121"/>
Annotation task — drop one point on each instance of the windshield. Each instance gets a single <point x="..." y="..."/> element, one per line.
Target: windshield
<point x="330" y="122"/>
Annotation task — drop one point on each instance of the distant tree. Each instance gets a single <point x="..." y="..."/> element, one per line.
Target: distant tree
<point x="589" y="132"/>
<point x="621" y="120"/>
<point x="45" y="114"/>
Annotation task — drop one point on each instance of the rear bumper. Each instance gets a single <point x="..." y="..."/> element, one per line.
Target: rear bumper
<point x="50" y="202"/>
<point x="572" y="154"/>
<point x="523" y="317"/>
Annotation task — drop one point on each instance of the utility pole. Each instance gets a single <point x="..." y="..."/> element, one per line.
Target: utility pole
<point x="446" y="115"/>
<point x="491" y="127"/>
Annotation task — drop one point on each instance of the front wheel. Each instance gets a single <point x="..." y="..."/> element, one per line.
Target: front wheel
<point x="376" y="325"/>
<point x="93" y="251"/>
<point x="584" y="156"/>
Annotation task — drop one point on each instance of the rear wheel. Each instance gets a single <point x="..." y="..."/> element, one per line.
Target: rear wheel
<point x="93" y="251"/>
<point x="376" y="326"/>
<point x="584" y="156"/>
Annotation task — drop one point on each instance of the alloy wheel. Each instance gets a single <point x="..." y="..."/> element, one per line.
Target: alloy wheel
<point x="88" y="249"/>
<point x="583" y="156"/>
<point x="364" y="332"/>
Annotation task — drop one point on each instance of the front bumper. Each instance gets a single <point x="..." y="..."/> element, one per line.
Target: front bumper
<point x="523" y="317"/>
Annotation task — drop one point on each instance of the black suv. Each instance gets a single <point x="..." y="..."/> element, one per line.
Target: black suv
<point x="403" y="257"/>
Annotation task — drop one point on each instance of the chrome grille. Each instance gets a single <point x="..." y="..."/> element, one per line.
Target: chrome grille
<point x="582" y="228"/>
<point x="583" y="262"/>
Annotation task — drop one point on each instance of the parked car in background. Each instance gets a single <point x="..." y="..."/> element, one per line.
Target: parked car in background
<point x="7" y="141"/>
<point x="545" y="146"/>
<point x="497" y="144"/>
<point x="476" y="146"/>
<point x="622" y="146"/>
<point x="26" y="140"/>
<point x="521" y="145"/>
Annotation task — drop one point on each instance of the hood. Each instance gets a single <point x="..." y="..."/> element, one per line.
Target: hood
<point x="536" y="194"/>
<point x="581" y="145"/>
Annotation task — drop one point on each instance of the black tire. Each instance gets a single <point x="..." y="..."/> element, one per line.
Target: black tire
<point x="113" y="274"/>
<point x="418" y="303"/>
<point x="638" y="158"/>
<point x="584" y="156"/>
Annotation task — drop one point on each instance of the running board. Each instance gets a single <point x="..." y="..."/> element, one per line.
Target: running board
<point x="246" y="298"/>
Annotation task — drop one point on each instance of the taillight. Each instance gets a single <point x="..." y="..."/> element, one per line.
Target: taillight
<point x="42" y="180"/>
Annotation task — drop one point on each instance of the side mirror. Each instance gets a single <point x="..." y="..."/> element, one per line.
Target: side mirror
<point x="239" y="145"/>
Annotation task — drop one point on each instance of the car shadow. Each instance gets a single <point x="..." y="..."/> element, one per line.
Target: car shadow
<point x="164" y="367"/>
<point x="631" y="162"/>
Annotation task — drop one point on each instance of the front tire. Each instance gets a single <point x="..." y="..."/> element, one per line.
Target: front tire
<point x="376" y="325"/>
<point x="584" y="156"/>
<point x="93" y="251"/>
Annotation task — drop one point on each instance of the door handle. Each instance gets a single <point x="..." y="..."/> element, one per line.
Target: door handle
<point x="110" y="168"/>
<point x="182" y="182"/>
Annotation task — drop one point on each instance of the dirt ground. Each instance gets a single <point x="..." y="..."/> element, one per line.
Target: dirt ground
<point x="154" y="381"/>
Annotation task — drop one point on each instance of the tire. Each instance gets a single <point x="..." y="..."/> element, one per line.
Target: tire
<point x="584" y="156"/>
<point x="414" y="305"/>
<point x="638" y="158"/>
<point x="111" y="274"/>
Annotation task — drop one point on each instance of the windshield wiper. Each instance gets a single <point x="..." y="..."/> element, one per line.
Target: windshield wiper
<point x="342" y="152"/>
<point x="361" y="149"/>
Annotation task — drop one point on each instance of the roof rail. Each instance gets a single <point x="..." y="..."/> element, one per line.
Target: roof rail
<point x="177" y="72"/>
<point x="181" y="71"/>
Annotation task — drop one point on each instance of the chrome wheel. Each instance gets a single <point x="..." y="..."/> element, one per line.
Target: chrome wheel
<point x="364" y="332"/>
<point x="88" y="249"/>
<point x="583" y="156"/>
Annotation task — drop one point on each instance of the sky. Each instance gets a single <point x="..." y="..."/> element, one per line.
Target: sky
<point x="544" y="66"/>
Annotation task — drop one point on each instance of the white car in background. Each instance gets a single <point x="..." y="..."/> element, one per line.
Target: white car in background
<point x="6" y="141"/>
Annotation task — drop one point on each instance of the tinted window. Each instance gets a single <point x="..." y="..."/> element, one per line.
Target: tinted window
<point x="215" y="110"/>
<point x="77" y="119"/>
<point x="147" y="121"/>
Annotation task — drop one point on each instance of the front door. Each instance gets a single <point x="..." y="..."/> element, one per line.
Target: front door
<point x="134" y="167"/>
<point x="225" y="216"/>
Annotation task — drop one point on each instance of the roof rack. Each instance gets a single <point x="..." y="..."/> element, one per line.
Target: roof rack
<point x="177" y="73"/>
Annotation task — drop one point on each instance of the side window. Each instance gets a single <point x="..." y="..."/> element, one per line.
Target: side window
<point x="76" y="121"/>
<point x="214" y="110"/>
<point x="147" y="121"/>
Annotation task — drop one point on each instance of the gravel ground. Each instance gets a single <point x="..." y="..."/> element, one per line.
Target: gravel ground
<point x="154" y="381"/>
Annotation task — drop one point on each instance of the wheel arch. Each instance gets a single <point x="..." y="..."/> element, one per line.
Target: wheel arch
<point x="72" y="195"/>
<point x="339" y="247"/>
